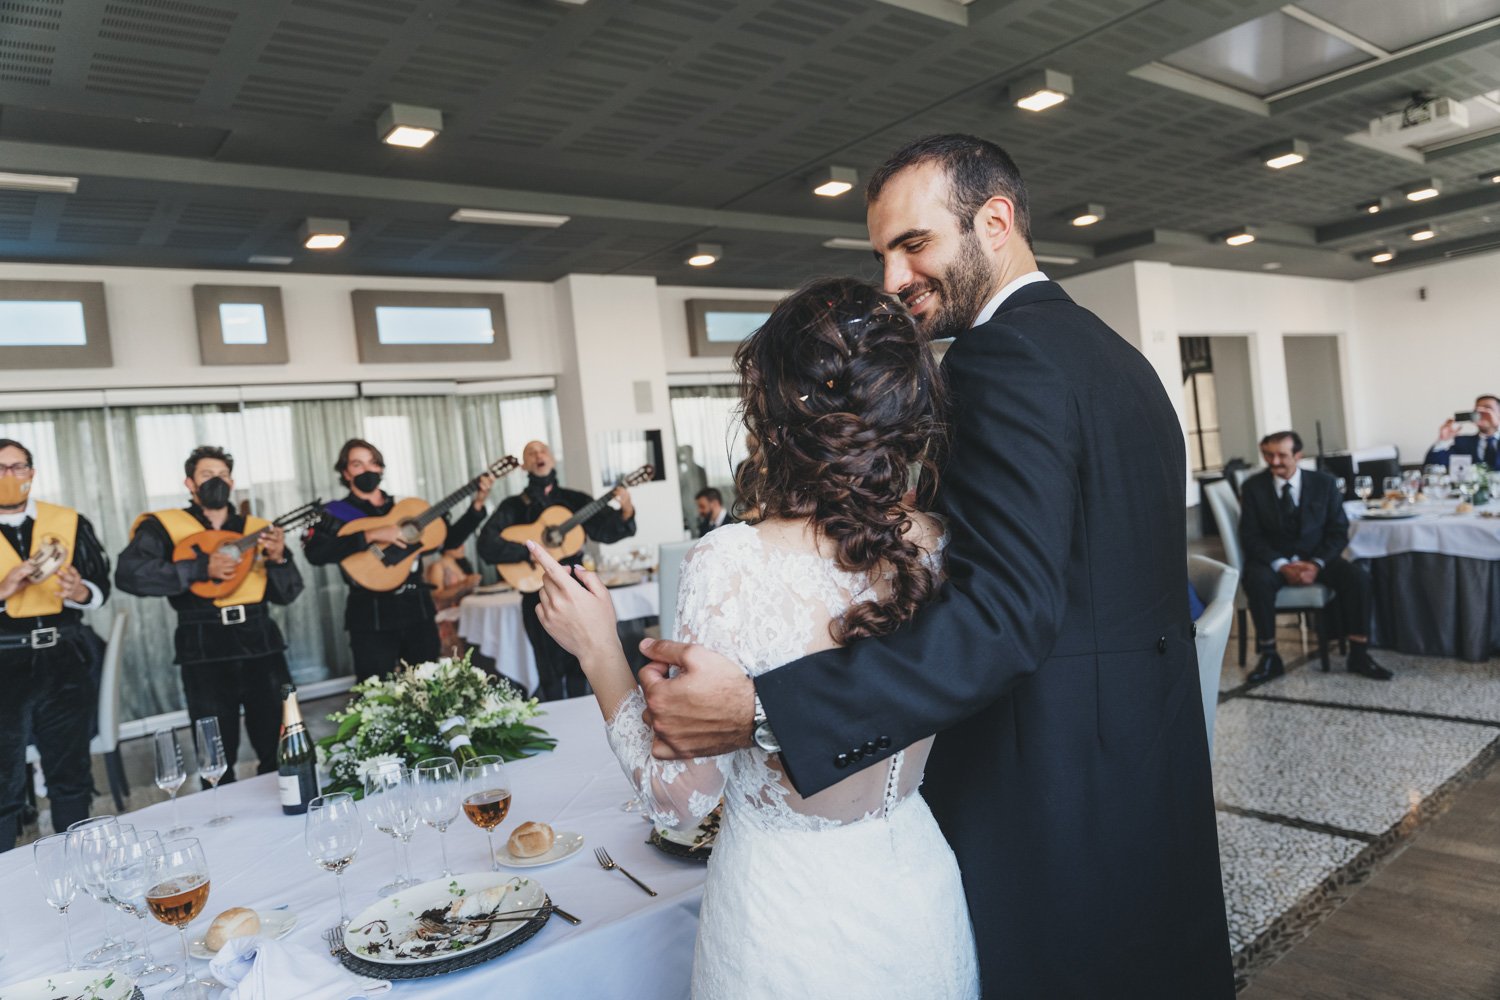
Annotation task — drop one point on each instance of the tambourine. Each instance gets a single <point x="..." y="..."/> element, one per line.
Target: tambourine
<point x="50" y="556"/>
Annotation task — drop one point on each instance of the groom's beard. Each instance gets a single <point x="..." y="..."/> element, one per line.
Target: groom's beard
<point x="962" y="291"/>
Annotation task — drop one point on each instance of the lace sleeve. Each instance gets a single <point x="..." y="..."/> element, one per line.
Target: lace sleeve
<point x="678" y="793"/>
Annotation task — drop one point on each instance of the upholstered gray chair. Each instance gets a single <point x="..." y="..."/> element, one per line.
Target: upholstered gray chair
<point x="1216" y="585"/>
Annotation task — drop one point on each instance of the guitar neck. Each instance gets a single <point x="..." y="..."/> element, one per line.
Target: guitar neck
<point x="584" y="513"/>
<point x="440" y="508"/>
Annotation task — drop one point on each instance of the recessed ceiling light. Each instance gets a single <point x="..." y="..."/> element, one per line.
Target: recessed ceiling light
<point x="1491" y="177"/>
<point x="261" y="258"/>
<point x="848" y="243"/>
<point x="1421" y="233"/>
<point x="324" y="234"/>
<point x="38" y="182"/>
<point x="408" y="125"/>
<point x="1382" y="256"/>
<point x="1085" y="215"/>
<point x="1369" y="207"/>
<point x="1239" y="237"/>
<point x="1043" y="89"/>
<point x="704" y="254"/>
<point x="832" y="181"/>
<point x="490" y="217"/>
<point x="1271" y="265"/>
<point x="1423" y="189"/>
<point x="1284" y="154"/>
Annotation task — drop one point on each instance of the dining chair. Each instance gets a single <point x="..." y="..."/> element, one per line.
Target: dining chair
<point x="1216" y="585"/>
<point x="668" y="573"/>
<point x="1311" y="601"/>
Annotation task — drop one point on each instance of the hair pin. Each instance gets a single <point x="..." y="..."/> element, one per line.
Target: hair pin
<point x="829" y="383"/>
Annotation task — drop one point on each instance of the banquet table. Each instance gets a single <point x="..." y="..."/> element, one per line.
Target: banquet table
<point x="493" y="623"/>
<point x="1436" y="578"/>
<point x="630" y="946"/>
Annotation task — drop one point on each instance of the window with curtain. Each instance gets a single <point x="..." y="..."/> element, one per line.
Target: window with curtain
<point x="114" y="463"/>
<point x="710" y="432"/>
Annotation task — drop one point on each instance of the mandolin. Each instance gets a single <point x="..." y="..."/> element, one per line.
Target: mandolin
<point x="242" y="547"/>
<point x="560" y="532"/>
<point x="386" y="567"/>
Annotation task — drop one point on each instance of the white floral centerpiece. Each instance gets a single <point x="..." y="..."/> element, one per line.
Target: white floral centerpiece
<point x="428" y="710"/>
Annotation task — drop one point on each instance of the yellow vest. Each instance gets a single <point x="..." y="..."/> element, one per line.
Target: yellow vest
<point x="181" y="526"/>
<point x="37" y="600"/>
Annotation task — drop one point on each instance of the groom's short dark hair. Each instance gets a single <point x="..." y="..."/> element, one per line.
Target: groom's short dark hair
<point x="977" y="170"/>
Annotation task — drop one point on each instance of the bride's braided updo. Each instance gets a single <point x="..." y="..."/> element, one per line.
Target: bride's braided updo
<point x="846" y="400"/>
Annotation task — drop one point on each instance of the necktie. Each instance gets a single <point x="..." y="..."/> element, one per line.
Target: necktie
<point x="1288" y="510"/>
<point x="1487" y="452"/>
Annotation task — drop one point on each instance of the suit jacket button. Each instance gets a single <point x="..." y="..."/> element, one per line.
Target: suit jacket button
<point x="856" y="755"/>
<point x="883" y="743"/>
<point x="842" y="760"/>
<point x="1161" y="645"/>
<point x="869" y="748"/>
<point x="1195" y="630"/>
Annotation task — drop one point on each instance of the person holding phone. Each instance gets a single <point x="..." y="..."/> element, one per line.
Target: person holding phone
<point x="1481" y="446"/>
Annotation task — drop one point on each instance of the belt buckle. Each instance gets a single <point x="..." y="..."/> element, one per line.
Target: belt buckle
<point x="43" y="638"/>
<point x="234" y="614"/>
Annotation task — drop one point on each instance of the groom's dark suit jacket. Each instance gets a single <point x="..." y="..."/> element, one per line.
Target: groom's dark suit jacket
<point x="1071" y="769"/>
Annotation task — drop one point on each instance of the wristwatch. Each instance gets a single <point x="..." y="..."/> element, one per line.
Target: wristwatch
<point x="764" y="738"/>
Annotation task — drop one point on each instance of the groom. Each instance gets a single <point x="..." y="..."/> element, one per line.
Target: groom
<point x="1071" y="774"/>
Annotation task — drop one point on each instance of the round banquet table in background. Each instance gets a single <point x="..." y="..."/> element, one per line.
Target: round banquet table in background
<point x="493" y="623"/>
<point x="630" y="946"/>
<point x="1436" y="579"/>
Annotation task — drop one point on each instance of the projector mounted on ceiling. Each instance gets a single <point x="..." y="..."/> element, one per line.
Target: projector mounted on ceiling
<point x="1426" y="119"/>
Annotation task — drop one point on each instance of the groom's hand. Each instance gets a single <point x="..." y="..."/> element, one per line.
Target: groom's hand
<point x="707" y="709"/>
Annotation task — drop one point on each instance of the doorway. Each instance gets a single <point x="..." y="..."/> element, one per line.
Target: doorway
<point x="1315" y="384"/>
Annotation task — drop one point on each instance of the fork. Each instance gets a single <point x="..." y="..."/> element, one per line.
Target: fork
<point x="608" y="864"/>
<point x="333" y="937"/>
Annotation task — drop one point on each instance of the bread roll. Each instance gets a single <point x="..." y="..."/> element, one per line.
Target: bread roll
<point x="530" y="839"/>
<point x="234" y="922"/>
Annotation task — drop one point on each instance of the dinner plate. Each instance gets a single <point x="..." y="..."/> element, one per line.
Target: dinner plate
<point x="622" y="578"/>
<point x="92" y="984"/>
<point x="394" y="919"/>
<point x="565" y="844"/>
<point x="274" y="924"/>
<point x="1388" y="515"/>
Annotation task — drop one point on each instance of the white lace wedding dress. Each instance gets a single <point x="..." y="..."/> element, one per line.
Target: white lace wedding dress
<point x="852" y="892"/>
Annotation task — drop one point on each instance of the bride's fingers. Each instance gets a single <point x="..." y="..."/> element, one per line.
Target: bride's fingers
<point x="554" y="570"/>
<point x="591" y="581"/>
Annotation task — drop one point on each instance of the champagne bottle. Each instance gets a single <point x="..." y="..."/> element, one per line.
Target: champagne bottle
<point x="296" y="760"/>
<point x="455" y="731"/>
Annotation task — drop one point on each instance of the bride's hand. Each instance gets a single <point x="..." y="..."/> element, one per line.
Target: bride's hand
<point x="577" y="611"/>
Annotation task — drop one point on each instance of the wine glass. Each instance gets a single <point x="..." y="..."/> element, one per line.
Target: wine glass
<point x="170" y="775"/>
<point x="178" y="890"/>
<point x="55" y="870"/>
<point x="87" y="849"/>
<point x="389" y="796"/>
<point x="1343" y="486"/>
<point x="212" y="763"/>
<point x="1391" y="486"/>
<point x="439" y="791"/>
<point x="487" y="797"/>
<point x="1363" y="487"/>
<point x="127" y="875"/>
<point x="332" y="834"/>
<point x="1410" y="484"/>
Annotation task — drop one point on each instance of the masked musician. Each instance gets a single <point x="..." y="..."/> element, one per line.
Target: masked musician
<point x="385" y="627"/>
<point x="561" y="676"/>
<point x="45" y="663"/>
<point x="231" y="652"/>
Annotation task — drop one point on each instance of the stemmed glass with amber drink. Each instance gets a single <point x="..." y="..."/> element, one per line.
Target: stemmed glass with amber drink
<point x="178" y="893"/>
<point x="486" y="797"/>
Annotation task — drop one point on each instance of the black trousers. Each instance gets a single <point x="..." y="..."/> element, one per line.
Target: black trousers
<point x="559" y="672"/>
<point x="219" y="687"/>
<point x="379" y="653"/>
<point x="49" y="698"/>
<point x="1348" y="581"/>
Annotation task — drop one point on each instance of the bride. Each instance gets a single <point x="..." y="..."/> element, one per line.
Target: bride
<point x="853" y="891"/>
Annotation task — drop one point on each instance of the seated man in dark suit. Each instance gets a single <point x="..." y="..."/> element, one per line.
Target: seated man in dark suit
<point x="1481" y="446"/>
<point x="1293" y="531"/>
<point x="711" y="511"/>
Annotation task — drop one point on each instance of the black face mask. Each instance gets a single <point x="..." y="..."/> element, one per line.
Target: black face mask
<point x="537" y="486"/>
<point x="213" y="494"/>
<point x="366" y="481"/>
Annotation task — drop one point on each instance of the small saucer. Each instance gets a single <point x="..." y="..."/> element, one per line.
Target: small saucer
<point x="274" y="924"/>
<point x="565" y="845"/>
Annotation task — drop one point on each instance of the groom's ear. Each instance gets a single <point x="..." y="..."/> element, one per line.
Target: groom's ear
<point x="995" y="222"/>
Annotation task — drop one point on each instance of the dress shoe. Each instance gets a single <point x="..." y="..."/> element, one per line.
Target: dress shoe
<point x="1270" y="666"/>
<point x="1360" y="663"/>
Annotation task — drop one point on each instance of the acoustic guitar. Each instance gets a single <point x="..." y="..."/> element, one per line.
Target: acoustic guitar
<point x="559" y="531"/>
<point x="242" y="547"/>
<point x="386" y="567"/>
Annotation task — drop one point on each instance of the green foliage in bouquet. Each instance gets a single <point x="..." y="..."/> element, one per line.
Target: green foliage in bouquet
<point x="1482" y="481"/>
<point x="399" y="719"/>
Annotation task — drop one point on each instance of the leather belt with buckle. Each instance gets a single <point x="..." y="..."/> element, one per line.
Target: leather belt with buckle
<point x="234" y="614"/>
<point x="39" y="638"/>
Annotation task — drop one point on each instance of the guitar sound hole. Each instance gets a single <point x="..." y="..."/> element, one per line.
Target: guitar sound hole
<point x="552" y="538"/>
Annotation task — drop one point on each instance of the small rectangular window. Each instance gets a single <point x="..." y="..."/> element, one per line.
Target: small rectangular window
<point x="434" y="325"/>
<point x="717" y="326"/>
<point x="42" y="324"/>
<point x="242" y="322"/>
<point x="732" y="327"/>
<point x="53" y="324"/>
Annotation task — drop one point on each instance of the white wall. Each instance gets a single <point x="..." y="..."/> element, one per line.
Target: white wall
<point x="1419" y="360"/>
<point x="154" y="334"/>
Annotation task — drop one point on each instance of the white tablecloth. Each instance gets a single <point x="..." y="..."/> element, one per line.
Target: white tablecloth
<point x="493" y="623"/>
<point x="1436" y="528"/>
<point x="630" y="946"/>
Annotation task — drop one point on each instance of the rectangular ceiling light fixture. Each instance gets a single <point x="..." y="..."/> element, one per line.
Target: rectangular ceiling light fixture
<point x="491" y="217"/>
<point x="1285" y="154"/>
<point x="1041" y="90"/>
<point x="1422" y="190"/>
<point x="832" y="181"/>
<point x="848" y="243"/>
<point x="38" y="182"/>
<point x="408" y="125"/>
<point x="324" y="234"/>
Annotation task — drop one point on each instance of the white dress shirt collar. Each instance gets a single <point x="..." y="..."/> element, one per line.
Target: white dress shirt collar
<point x="988" y="312"/>
<point x="1296" y="482"/>
<point x="16" y="520"/>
